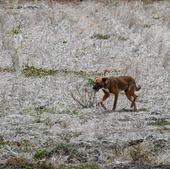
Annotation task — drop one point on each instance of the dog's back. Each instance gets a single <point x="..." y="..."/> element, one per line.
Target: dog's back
<point x="123" y="82"/>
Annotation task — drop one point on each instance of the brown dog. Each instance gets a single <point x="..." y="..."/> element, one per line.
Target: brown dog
<point x="116" y="84"/>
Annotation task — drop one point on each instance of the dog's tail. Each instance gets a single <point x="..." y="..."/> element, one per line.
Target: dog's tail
<point x="138" y="87"/>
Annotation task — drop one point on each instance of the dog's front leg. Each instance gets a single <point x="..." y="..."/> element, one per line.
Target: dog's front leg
<point x="115" y="101"/>
<point x="106" y="95"/>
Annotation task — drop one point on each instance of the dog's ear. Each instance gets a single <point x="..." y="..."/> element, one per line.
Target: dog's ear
<point x="105" y="80"/>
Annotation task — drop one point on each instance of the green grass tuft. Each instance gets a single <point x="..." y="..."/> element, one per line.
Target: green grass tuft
<point x="3" y="142"/>
<point x="15" y="30"/>
<point x="39" y="154"/>
<point x="64" y="41"/>
<point x="90" y="82"/>
<point x="146" y="26"/>
<point x="156" y="17"/>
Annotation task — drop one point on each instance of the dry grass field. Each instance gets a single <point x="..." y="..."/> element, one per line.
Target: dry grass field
<point x="50" y="52"/>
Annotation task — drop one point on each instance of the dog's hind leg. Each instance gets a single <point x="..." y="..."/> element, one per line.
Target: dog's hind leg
<point x="128" y="95"/>
<point x="132" y="99"/>
<point x="135" y="97"/>
<point x="132" y="93"/>
<point x="115" y="100"/>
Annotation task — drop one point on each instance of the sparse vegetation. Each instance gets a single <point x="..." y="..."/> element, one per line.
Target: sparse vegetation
<point x="117" y="150"/>
<point x="20" y="163"/>
<point x="140" y="155"/>
<point x="160" y="122"/>
<point x="60" y="148"/>
<point x="39" y="110"/>
<point x="64" y="41"/>
<point x="22" y="144"/>
<point x="79" y="166"/>
<point x="33" y="71"/>
<point x="23" y="163"/>
<point x="147" y="26"/>
<point x="74" y="112"/>
<point x="7" y="69"/>
<point x="48" y="122"/>
<point x="30" y="71"/>
<point x="3" y="142"/>
<point x="68" y="136"/>
<point x="19" y="130"/>
<point x="122" y="38"/>
<point x="156" y="17"/>
<point x="150" y="1"/>
<point x="64" y="124"/>
<point x="15" y="30"/>
<point x="26" y="143"/>
<point x="114" y="2"/>
<point x="39" y="154"/>
<point x="100" y="36"/>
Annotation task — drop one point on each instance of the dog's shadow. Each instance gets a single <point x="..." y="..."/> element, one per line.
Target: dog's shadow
<point x="131" y="110"/>
<point x="106" y="111"/>
<point x="125" y="110"/>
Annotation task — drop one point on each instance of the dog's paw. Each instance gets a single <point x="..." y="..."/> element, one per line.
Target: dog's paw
<point x="103" y="106"/>
<point x="99" y="103"/>
<point x="132" y="104"/>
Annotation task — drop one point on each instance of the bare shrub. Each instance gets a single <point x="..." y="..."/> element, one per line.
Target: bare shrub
<point x="84" y="97"/>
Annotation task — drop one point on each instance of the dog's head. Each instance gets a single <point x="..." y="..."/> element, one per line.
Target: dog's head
<point x="99" y="83"/>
